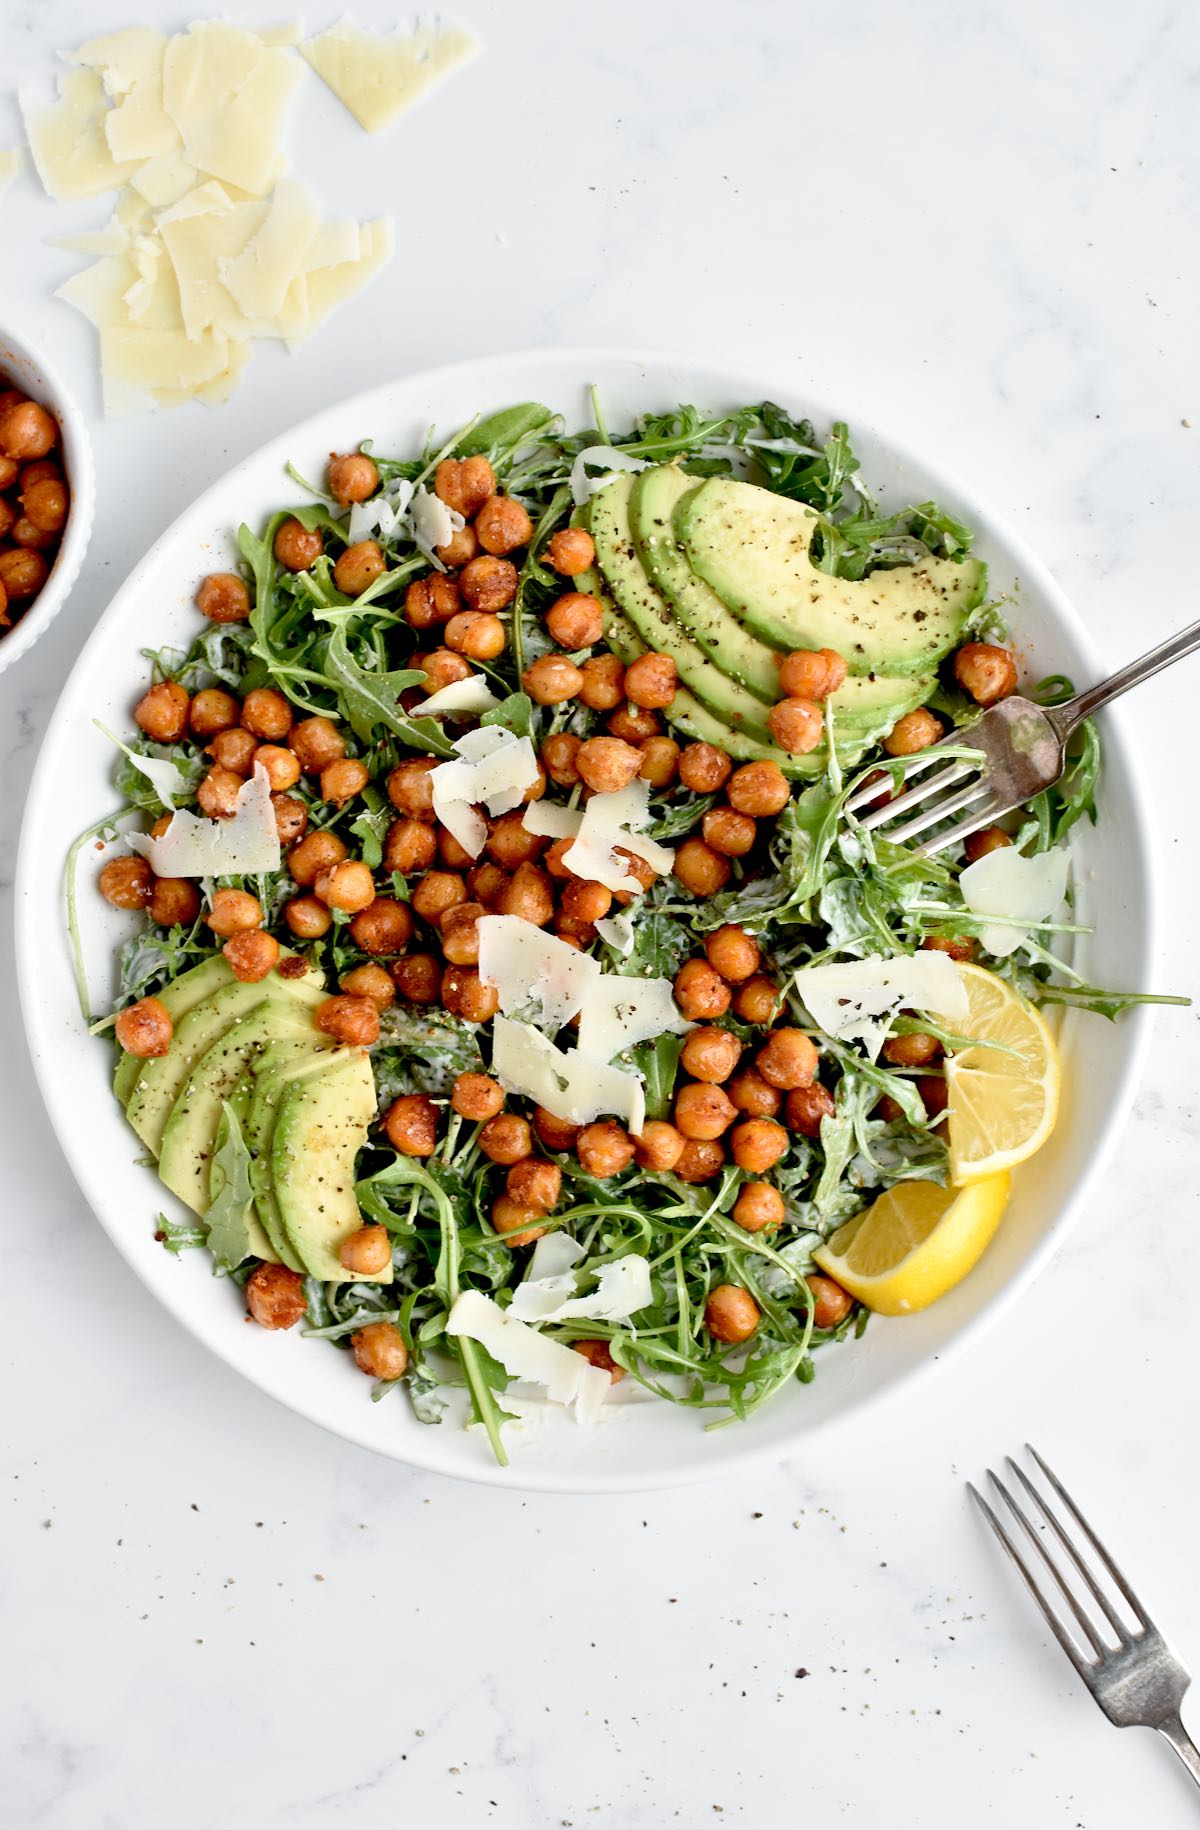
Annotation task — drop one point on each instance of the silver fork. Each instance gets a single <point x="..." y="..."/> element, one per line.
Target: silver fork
<point x="1024" y="751"/>
<point x="1139" y="1682"/>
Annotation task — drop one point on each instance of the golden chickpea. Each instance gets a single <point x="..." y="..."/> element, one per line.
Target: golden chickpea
<point x="234" y="751"/>
<point x="811" y="673"/>
<point x="460" y="549"/>
<point x="728" y="832"/>
<point x="488" y="583"/>
<point x="223" y="598"/>
<point x="251" y="955"/>
<point x="603" y="685"/>
<point x="554" y="1133"/>
<point x="757" y="1144"/>
<point x="701" y="1160"/>
<point x="731" y="1314"/>
<point x="437" y="892"/>
<point x="553" y="863"/>
<point x="379" y="1351"/>
<point x="307" y="918"/>
<point x="9" y="467"/>
<point x="913" y="1050"/>
<point x="988" y="839"/>
<point x="517" y="1222"/>
<point x="354" y="1021"/>
<point x="700" y="869"/>
<point x="366" y="1253"/>
<point x="915" y="731"/>
<point x="527" y="895"/>
<point x="659" y="1147"/>
<point x="758" y="1206"/>
<point x="442" y="667"/>
<point x="144" y="1029"/>
<point x="27" y="430"/>
<point x="831" y="1304"/>
<point x="384" y="926"/>
<point x="128" y="883"/>
<point x="502" y="525"/>
<point x="582" y="900"/>
<point x="509" y="844"/>
<point x="317" y="852"/>
<point x="606" y="764"/>
<point x="45" y="504"/>
<point x="537" y="787"/>
<point x="267" y="713"/>
<point x="752" y="1095"/>
<point x="352" y="477"/>
<point x="347" y="885"/>
<point x="797" y="725"/>
<point x="807" y="1106"/>
<point x="275" y="1296"/>
<point x="317" y="742"/>
<point x="552" y="679"/>
<point x="411" y="1125"/>
<point x="535" y="1183"/>
<point x="476" y="633"/>
<point x="211" y="711"/>
<point x="282" y="766"/>
<point x="660" y="761"/>
<point x="174" y="902"/>
<point x="634" y="723"/>
<point x="342" y="780"/>
<point x="604" y="1149"/>
<point x="986" y="671"/>
<point x="22" y="573"/>
<point x="759" y="789"/>
<point x="651" y="681"/>
<point x="411" y="845"/>
<point x="374" y="982"/>
<point x="7" y="517"/>
<point x="431" y="601"/>
<point x="597" y="1354"/>
<point x="410" y="789"/>
<point x="558" y="755"/>
<point x="733" y="953"/>
<point x="464" y="484"/>
<point x="358" y="567"/>
<point x="460" y="933"/>
<point x="477" y="1097"/>
<point x="27" y="535"/>
<point x="700" y="992"/>
<point x="296" y="547"/>
<point x="788" y="1059"/>
<point x="704" y="769"/>
<point x="576" y="620"/>
<point x="710" y="1055"/>
<point x="935" y="1094"/>
<point x="35" y="472"/>
<point x="232" y="911"/>
<point x="958" y="946"/>
<point x="465" y="995"/>
<point x="758" y="1000"/>
<point x="506" y="1138"/>
<point x="418" y="978"/>
<point x="569" y="552"/>
<point x="703" y="1111"/>
<point x="162" y="712"/>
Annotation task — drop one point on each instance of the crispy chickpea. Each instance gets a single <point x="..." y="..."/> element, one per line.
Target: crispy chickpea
<point x="464" y="484"/>
<point x="509" y="844"/>
<point x="702" y="1158"/>
<point x="174" y="902"/>
<point x="267" y="713"/>
<point x="807" y="1106"/>
<point x="307" y="918"/>
<point x="759" y="789"/>
<point x="831" y="1304"/>
<point x="986" y="671"/>
<point x="710" y="1055"/>
<point x="752" y="1095"/>
<point x="553" y="863"/>
<point x="431" y="601"/>
<point x="988" y="839"/>
<point x="8" y="467"/>
<point x="659" y="1147"/>
<point x="731" y="1314"/>
<point x="516" y="1222"/>
<point x="797" y="725"/>
<point x="460" y="933"/>
<point x="604" y="1149"/>
<point x="359" y="566"/>
<point x="477" y="1097"/>
<point x="27" y="430"/>
<point x="488" y="583"/>
<point x="558" y="755"/>
<point x="536" y="788"/>
<point x="915" y="731"/>
<point x="232" y="911"/>
<point x="223" y="598"/>
<point x="811" y="673"/>
<point x="576" y="620"/>
<point x="958" y="946"/>
<point x="660" y="761"/>
<point x="251" y="954"/>
<point x="366" y="1253"/>
<point x="411" y="845"/>
<point x="704" y="769"/>
<point x="552" y="679"/>
<point x="349" y="1019"/>
<point x="128" y="883"/>
<point x="7" y="516"/>
<point x="476" y="633"/>
<point x="37" y="471"/>
<point x="570" y="551"/>
<point x="635" y="867"/>
<point x="374" y="982"/>
<point x="234" y="751"/>
<point x="913" y="1050"/>
<point x="342" y="780"/>
<point x="296" y="547"/>
<point x="535" y="1183"/>
<point x="144" y="1029"/>
<point x="758" y="1000"/>
<point x="410" y="789"/>
<point x="485" y="882"/>
<point x="606" y="764"/>
<point x="597" y="1354"/>
<point x="218" y="792"/>
<point x="465" y="995"/>
<point x="275" y="1296"/>
<point x="634" y="723"/>
<point x="935" y="1094"/>
<point x="45" y="504"/>
<point x="502" y="525"/>
<point x="651" y="681"/>
<point x="527" y="895"/>
<point x="352" y="477"/>
<point x="282" y="766"/>
<point x="788" y="1059"/>
<point x="733" y="953"/>
<point x="757" y="1144"/>
<point x="379" y="1350"/>
<point x="758" y="1206"/>
<point x="506" y="1138"/>
<point x="162" y="712"/>
<point x="603" y="685"/>
<point x="411" y="1125"/>
<point x="583" y="900"/>
<point x="27" y="535"/>
<point x="437" y="892"/>
<point x="703" y="1111"/>
<point x="454" y="857"/>
<point x="384" y="926"/>
<point x="346" y="885"/>
<point x="461" y="547"/>
<point x="316" y="853"/>
<point x="730" y="833"/>
<point x="418" y="978"/>
<point x="23" y="572"/>
<point x="554" y="1133"/>
<point x="212" y="711"/>
<point x="317" y="742"/>
<point x="441" y="667"/>
<point x="700" y="992"/>
<point x="700" y="869"/>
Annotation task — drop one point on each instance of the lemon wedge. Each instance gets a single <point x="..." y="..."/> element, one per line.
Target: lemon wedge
<point x="914" y="1243"/>
<point x="1003" y="1100"/>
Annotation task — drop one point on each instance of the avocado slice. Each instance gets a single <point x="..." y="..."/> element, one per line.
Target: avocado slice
<point x="752" y="547"/>
<point x="182" y="995"/>
<point x="320" y="1127"/>
<point x="279" y="1064"/>
<point x="238" y="1104"/>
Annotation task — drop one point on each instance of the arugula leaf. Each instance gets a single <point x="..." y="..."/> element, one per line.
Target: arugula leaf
<point x="514" y="714"/>
<point x="177" y="1236"/>
<point x="226" y="1217"/>
<point x="658" y="1062"/>
<point x="423" y="1051"/>
<point x="369" y="700"/>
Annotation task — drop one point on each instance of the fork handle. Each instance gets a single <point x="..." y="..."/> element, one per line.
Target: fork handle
<point x="1173" y="1732"/>
<point x="1067" y="716"/>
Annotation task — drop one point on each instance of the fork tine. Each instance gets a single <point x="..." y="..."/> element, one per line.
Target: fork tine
<point x="1088" y="1630"/>
<point x="1051" y="1618"/>
<point x="912" y="798"/>
<point x="931" y="813"/>
<point x="913" y="765"/>
<point x="963" y="829"/>
<point x="1139" y="1611"/>
<point x="1085" y="1573"/>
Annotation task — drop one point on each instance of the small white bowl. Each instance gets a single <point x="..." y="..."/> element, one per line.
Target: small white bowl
<point x="27" y="369"/>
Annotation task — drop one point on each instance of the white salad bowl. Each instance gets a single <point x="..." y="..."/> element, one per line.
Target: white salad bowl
<point x="640" y="1442"/>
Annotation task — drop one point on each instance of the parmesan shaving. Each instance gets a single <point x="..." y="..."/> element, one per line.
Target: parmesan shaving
<point x="606" y="825"/>
<point x="584" y="487"/>
<point x="1026" y="890"/>
<point x="433" y="524"/>
<point x="622" y="1288"/>
<point x="536" y="975"/>
<point x="238" y="847"/>
<point x="616" y="931"/>
<point x="571" y="1085"/>
<point x="469" y="698"/>
<point x="856" y="1000"/>
<point x="621" y="1012"/>
<point x="258" y="277"/>
<point x="229" y="94"/>
<point x="67" y="142"/>
<point x="10" y="165"/>
<point x="491" y="765"/>
<point x="378" y="77"/>
<point x="525" y="1354"/>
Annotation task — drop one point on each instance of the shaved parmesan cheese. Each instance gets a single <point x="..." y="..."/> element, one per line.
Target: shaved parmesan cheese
<point x="66" y="139"/>
<point x="616" y="931"/>
<point x="288" y="31"/>
<point x="584" y="487"/>
<point x="137" y="362"/>
<point x="525" y="1354"/>
<point x="605" y="826"/>
<point x="166" y="777"/>
<point x="1027" y="890"/>
<point x="130" y="64"/>
<point x="551" y="822"/>
<point x="571" y="1085"/>
<point x="536" y="975"/>
<point x="622" y="1288"/>
<point x="856" y="1000"/>
<point x="228" y="93"/>
<point x="317" y="293"/>
<point x="492" y="766"/>
<point x="469" y="698"/>
<point x="258" y="277"/>
<point x="202" y="245"/>
<point x="162" y="181"/>
<point x="621" y="1012"/>
<point x="433" y="524"/>
<point x="378" y="77"/>
<point x="237" y="847"/>
<point x="553" y="1254"/>
<point x="10" y="165"/>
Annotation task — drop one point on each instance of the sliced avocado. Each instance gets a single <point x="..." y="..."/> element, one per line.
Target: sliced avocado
<point x="238" y="1103"/>
<point x="320" y="1127"/>
<point x="188" y="1139"/>
<point x="161" y="1080"/>
<point x="280" y="1063"/>
<point x="188" y="990"/>
<point x="752" y="547"/>
<point x="654" y="498"/>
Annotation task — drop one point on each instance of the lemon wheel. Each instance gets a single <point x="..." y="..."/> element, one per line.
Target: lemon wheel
<point x="914" y="1243"/>
<point x="1003" y="1091"/>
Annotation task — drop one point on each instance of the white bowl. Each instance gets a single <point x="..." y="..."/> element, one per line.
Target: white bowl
<point x="29" y="370"/>
<point x="638" y="1444"/>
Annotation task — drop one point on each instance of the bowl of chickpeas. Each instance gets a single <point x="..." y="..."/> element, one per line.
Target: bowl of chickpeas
<point x="46" y="494"/>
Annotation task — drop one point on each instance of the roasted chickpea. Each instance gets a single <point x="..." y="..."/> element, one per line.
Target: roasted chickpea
<point x="637" y="868"/>
<point x="211" y="711"/>
<point x="352" y="476"/>
<point x="477" y="1097"/>
<point x="758" y="1206"/>
<point x="461" y="547"/>
<point x="441" y="667"/>
<point x="410" y="789"/>
<point x="604" y="1149"/>
<point x="174" y="902"/>
<point x="576" y="620"/>
<point x="251" y="954"/>
<point x="379" y="1350"/>
<point x="454" y="857"/>
<point x="144" y="1029"/>
<point x="701" y="1159"/>
<point x="267" y="713"/>
<point x="346" y="885"/>
<point x="527" y="895"/>
<point x="915" y="731"/>
<point x="45" y="504"/>
<point x="797" y="725"/>
<point x="603" y="685"/>
<point x="437" y="892"/>
<point x="554" y="1133"/>
<point x="606" y="764"/>
<point x="317" y="742"/>
<point x="8" y="467"/>
<point x="935" y="1094"/>
<point x="582" y="900"/>
<point x="517" y="1222"/>
<point x="725" y="831"/>
<point x="411" y="1125"/>
<point x="223" y="598"/>
<point x="597" y="1354"/>
<point x="275" y="1296"/>
<point x="659" y="1147"/>
<point x="988" y="839"/>
<point x="788" y="1059"/>
<point x="27" y="430"/>
<point x="651" y="681"/>
<point x="660" y="762"/>
<point x="502" y="525"/>
<point x="986" y="671"/>
<point x="460" y="933"/>
<point x="431" y="601"/>
<point x="486" y="882"/>
<point x="234" y="751"/>
<point x="704" y="769"/>
<point x="282" y="766"/>
<point x="476" y="633"/>
<point x="411" y="845"/>
<point x="710" y="1055"/>
<point x="218" y="792"/>
<point x="366" y="1253"/>
<point x="758" y="1000"/>
<point x="831" y="1304"/>
<point x="383" y="926"/>
<point x="757" y="1144"/>
<point x="703" y="1111"/>
<point x="700" y="869"/>
<point x="700" y="992"/>
<point x="733" y="953"/>
<point x="232" y="911"/>
<point x="634" y="723"/>
<point x="373" y="982"/>
<point x="342" y="780"/>
<point x="552" y="679"/>
<point x="162" y="712"/>
<point x="506" y="1138"/>
<point x="759" y="789"/>
<point x="465" y="995"/>
<point x="464" y="484"/>
<point x="752" y="1095"/>
<point x="811" y="673"/>
<point x="296" y="547"/>
<point x="570" y="551"/>
<point x="316" y="853"/>
<point x="553" y="863"/>
<point x="418" y="978"/>
<point x="488" y="583"/>
<point x="535" y="1183"/>
<point x="807" y="1106"/>
<point x="558" y="755"/>
<point x="28" y="536"/>
<point x="731" y="1314"/>
<point x="536" y="789"/>
<point x="913" y="1050"/>
<point x="958" y="946"/>
<point x="359" y="566"/>
<point x="307" y="918"/>
<point x="509" y="844"/>
<point x="128" y="883"/>
<point x="8" y="516"/>
<point x="37" y="471"/>
<point x="23" y="572"/>
<point x="349" y="1019"/>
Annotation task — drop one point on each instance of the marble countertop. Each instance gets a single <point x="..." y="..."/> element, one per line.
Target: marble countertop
<point x="980" y="224"/>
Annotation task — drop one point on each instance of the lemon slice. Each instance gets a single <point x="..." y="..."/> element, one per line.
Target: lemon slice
<point x="1002" y="1105"/>
<point x="914" y="1243"/>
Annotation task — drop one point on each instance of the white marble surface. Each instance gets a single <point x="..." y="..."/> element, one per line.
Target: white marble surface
<point x="980" y="223"/>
